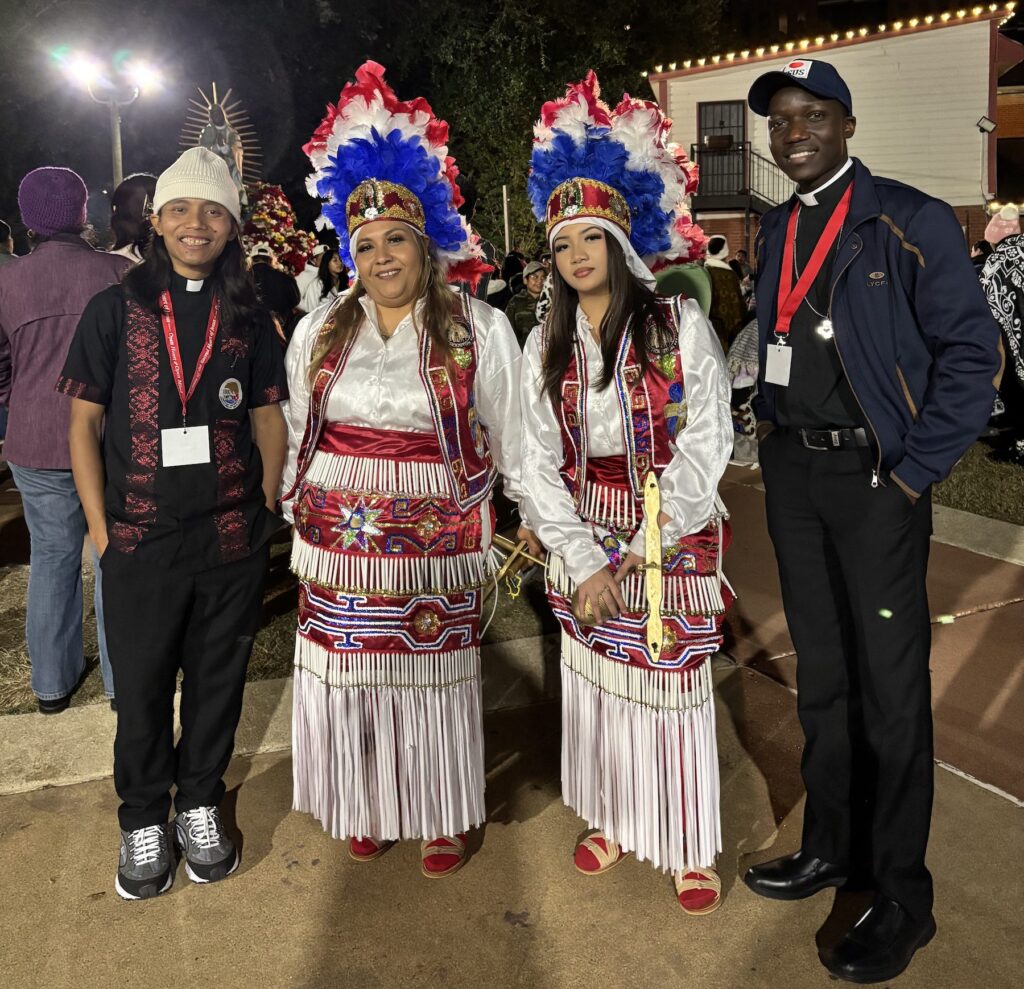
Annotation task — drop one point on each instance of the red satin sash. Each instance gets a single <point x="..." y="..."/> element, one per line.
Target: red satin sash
<point x="383" y="444"/>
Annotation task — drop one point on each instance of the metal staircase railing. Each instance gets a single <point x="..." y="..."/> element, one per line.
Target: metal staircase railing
<point x="739" y="171"/>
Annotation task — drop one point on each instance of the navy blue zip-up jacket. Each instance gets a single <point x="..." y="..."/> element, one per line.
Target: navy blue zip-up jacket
<point x="915" y="335"/>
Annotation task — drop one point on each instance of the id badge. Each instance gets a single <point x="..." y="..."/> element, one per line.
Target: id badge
<point x="181" y="447"/>
<point x="780" y="359"/>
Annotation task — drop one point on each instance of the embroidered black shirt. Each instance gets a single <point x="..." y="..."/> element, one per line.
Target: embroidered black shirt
<point x="199" y="515"/>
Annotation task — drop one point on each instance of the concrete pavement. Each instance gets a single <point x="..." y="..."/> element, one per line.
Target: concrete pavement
<point x="300" y="913"/>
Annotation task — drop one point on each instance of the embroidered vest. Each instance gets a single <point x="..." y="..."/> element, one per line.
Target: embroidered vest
<point x="652" y="406"/>
<point x="450" y="393"/>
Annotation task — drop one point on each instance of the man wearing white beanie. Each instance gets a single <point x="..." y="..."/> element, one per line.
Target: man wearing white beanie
<point x="179" y="488"/>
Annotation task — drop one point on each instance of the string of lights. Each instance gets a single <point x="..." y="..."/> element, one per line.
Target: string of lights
<point x="835" y="39"/>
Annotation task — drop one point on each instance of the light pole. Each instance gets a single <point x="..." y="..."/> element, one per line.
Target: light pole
<point x="114" y="87"/>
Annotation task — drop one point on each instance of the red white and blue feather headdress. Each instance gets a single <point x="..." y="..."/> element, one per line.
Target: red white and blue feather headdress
<point x="376" y="157"/>
<point x="616" y="167"/>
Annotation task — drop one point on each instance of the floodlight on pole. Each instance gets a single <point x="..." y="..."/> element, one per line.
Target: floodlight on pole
<point x="113" y="86"/>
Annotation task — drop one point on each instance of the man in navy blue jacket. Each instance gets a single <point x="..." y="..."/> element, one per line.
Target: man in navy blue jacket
<point x="879" y="358"/>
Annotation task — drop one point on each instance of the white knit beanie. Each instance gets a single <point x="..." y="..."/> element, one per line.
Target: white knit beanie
<point x="198" y="174"/>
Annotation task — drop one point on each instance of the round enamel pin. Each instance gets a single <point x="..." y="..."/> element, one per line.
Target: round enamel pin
<point x="230" y="394"/>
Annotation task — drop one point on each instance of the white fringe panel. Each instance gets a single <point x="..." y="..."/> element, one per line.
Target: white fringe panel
<point x="611" y="508"/>
<point x="394" y="575"/>
<point x="640" y="757"/>
<point x="377" y="476"/>
<point x="616" y="508"/>
<point x="387" y="761"/>
<point x="685" y="594"/>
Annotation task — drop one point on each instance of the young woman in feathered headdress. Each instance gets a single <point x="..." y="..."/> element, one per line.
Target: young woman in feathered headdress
<point x="404" y="406"/>
<point x="621" y="387"/>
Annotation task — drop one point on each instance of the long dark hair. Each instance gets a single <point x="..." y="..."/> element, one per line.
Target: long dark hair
<point x="230" y="280"/>
<point x="440" y="310"/>
<point x="629" y="298"/>
<point x="325" y="276"/>
<point x="129" y="211"/>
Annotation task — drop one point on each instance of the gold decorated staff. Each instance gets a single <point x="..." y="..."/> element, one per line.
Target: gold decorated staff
<point x="652" y="567"/>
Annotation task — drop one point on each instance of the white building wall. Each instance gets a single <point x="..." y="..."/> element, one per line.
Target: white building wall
<point x="917" y="98"/>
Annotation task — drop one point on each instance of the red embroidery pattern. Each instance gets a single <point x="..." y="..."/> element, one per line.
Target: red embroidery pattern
<point x="466" y="451"/>
<point x="79" y="389"/>
<point x="142" y="342"/>
<point x="273" y="394"/>
<point x="232" y="530"/>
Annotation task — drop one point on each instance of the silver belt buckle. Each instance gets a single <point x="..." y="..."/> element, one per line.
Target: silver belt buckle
<point x="804" y="435"/>
<point x="835" y="439"/>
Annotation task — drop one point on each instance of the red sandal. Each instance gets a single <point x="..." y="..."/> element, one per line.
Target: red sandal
<point x="443" y="856"/>
<point x="366" y="849"/>
<point x="595" y="855"/>
<point x="698" y="892"/>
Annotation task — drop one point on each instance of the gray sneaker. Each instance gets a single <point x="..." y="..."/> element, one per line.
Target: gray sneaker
<point x="209" y="853"/>
<point x="146" y="867"/>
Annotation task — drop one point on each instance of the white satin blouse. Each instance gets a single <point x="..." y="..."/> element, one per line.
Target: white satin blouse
<point x="380" y="387"/>
<point x="689" y="484"/>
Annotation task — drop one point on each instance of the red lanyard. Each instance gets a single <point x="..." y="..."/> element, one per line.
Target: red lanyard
<point x="174" y="353"/>
<point x="790" y="298"/>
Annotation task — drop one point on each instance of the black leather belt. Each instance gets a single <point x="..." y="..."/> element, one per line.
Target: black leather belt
<point x="827" y="439"/>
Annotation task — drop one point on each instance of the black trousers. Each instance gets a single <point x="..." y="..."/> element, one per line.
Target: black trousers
<point x="158" y="620"/>
<point x="852" y="563"/>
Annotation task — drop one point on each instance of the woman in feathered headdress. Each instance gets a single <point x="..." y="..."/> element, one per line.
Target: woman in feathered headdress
<point x="620" y="387"/>
<point x="404" y="405"/>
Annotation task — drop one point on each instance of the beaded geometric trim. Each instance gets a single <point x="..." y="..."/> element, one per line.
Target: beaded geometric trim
<point x="376" y="199"/>
<point x="581" y="197"/>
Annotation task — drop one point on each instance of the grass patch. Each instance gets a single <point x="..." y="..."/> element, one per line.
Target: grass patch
<point x="981" y="487"/>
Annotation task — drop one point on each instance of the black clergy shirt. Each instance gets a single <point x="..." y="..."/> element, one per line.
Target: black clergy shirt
<point x="206" y="514"/>
<point x="818" y="395"/>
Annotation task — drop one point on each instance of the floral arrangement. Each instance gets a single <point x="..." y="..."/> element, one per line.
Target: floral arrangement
<point x="271" y="221"/>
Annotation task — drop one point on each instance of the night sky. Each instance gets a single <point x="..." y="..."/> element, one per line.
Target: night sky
<point x="279" y="66"/>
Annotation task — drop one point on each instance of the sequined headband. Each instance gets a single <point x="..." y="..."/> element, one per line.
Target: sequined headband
<point x="577" y="198"/>
<point x="376" y="199"/>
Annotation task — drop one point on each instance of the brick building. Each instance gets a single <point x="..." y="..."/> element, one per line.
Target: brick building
<point x="925" y="93"/>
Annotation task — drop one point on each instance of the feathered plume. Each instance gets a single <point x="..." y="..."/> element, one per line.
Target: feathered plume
<point x="371" y="134"/>
<point x="627" y="148"/>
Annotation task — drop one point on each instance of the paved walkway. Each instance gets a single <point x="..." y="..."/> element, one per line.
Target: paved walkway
<point x="299" y="913"/>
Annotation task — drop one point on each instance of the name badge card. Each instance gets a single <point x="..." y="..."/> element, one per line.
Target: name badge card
<point x="780" y="359"/>
<point x="182" y="447"/>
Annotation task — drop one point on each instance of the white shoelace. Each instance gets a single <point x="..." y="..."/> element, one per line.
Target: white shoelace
<point x="147" y="844"/>
<point x="203" y="827"/>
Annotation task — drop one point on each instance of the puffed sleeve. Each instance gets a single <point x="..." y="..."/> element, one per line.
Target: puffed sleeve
<point x="497" y="394"/>
<point x="689" y="485"/>
<point x="296" y="409"/>
<point x="549" y="507"/>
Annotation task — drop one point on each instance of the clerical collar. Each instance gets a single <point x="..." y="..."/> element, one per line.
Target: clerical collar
<point x="181" y="284"/>
<point x="811" y="198"/>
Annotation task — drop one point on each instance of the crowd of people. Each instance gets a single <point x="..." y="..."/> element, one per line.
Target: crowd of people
<point x="154" y="409"/>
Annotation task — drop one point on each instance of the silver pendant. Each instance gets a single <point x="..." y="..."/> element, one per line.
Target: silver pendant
<point x="824" y="329"/>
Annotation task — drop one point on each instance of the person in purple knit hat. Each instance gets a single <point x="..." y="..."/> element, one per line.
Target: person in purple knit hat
<point x="42" y="297"/>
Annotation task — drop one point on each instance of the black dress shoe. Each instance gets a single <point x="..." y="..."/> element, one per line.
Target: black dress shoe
<point x="880" y="945"/>
<point x="54" y="706"/>
<point x="793" y="877"/>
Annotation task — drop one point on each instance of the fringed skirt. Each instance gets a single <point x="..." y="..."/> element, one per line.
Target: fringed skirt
<point x="639" y="748"/>
<point x="387" y="719"/>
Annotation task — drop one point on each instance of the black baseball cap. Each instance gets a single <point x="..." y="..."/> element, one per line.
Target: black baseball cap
<point x="819" y="78"/>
